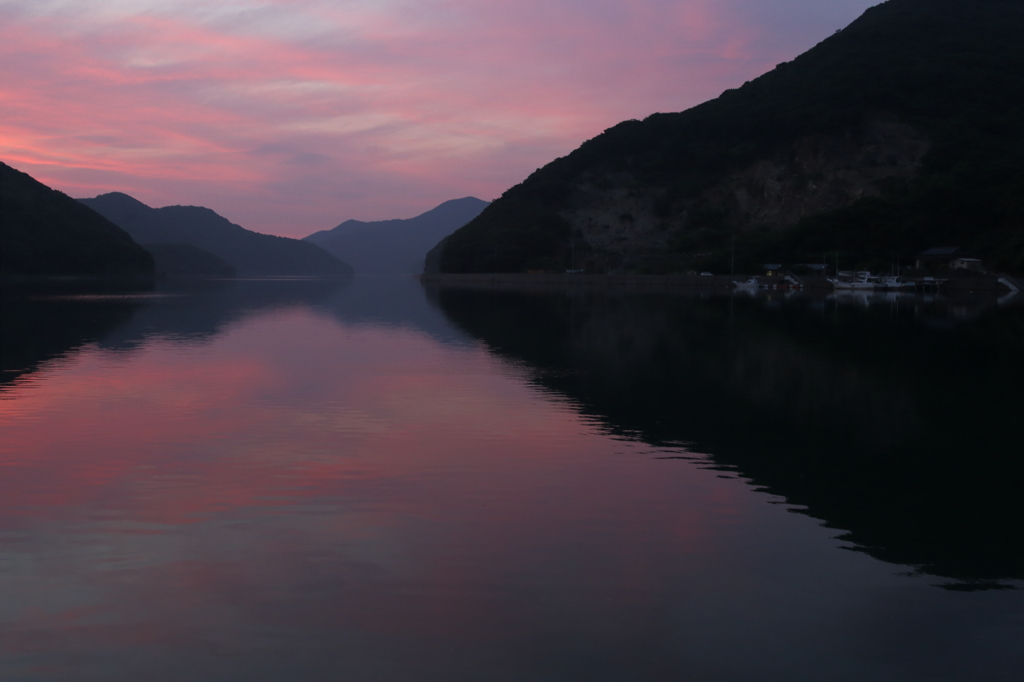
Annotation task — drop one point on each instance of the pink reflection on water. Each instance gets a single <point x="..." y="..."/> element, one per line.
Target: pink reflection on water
<point x="293" y="481"/>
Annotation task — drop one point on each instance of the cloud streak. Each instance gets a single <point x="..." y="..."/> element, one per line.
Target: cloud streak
<point x="288" y="116"/>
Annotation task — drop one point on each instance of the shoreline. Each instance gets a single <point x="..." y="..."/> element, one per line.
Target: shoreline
<point x="988" y="285"/>
<point x="520" y="280"/>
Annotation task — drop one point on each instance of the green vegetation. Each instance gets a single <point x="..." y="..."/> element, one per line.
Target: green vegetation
<point x="46" y="233"/>
<point x="952" y="70"/>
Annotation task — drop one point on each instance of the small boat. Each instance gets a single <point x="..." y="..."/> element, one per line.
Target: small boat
<point x="894" y="282"/>
<point x="862" y="280"/>
<point x="752" y="283"/>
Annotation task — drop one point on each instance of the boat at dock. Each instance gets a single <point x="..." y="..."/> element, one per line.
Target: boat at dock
<point x="861" y="280"/>
<point x="750" y="284"/>
<point x="895" y="282"/>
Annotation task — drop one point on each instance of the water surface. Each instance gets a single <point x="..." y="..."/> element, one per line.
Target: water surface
<point x="372" y="481"/>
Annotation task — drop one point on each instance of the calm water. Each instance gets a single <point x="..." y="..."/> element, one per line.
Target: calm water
<point x="310" y="481"/>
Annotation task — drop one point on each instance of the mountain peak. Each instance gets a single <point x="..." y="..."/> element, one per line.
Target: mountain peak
<point x="399" y="245"/>
<point x="249" y="253"/>
<point x="118" y="198"/>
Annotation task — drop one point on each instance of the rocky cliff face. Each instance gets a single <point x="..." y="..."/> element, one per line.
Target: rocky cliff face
<point x="813" y="175"/>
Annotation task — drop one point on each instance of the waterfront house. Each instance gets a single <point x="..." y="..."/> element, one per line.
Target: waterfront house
<point x="966" y="264"/>
<point x="951" y="257"/>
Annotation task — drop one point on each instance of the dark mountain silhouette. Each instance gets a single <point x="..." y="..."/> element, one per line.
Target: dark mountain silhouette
<point x="250" y="253"/>
<point x="185" y="260"/>
<point x="45" y="232"/>
<point x="396" y="246"/>
<point x="901" y="132"/>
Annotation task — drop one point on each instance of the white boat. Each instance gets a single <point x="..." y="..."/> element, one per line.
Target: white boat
<point x="862" y="280"/>
<point x="894" y="282"/>
<point x="752" y="283"/>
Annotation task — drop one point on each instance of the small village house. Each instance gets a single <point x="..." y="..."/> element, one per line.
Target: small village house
<point x="951" y="257"/>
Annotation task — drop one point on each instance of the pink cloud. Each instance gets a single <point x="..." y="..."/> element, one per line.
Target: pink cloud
<point x="289" y="117"/>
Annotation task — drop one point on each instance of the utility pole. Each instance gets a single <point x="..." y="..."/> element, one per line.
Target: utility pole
<point x="732" y="265"/>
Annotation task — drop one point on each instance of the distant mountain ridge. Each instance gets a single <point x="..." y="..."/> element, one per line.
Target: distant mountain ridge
<point x="249" y="253"/>
<point x="185" y="260"/>
<point x="903" y="131"/>
<point x="45" y="232"/>
<point x="396" y="246"/>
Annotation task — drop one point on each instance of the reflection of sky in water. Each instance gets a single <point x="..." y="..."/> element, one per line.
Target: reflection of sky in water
<point x="298" y="497"/>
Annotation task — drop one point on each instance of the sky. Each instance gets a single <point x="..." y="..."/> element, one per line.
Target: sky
<point x="291" y="116"/>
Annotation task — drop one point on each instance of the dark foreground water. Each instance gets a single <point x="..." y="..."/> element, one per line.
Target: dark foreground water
<point x="371" y="481"/>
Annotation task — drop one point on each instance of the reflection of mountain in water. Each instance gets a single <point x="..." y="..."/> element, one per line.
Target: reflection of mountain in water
<point x="903" y="436"/>
<point x="49" y="321"/>
<point x="391" y="301"/>
<point x="194" y="310"/>
<point x="53" y="320"/>
<point x="41" y="322"/>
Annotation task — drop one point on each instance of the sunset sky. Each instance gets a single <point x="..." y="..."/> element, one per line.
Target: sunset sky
<point x="290" y="116"/>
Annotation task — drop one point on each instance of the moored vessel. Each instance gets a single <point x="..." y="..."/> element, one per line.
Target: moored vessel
<point x="752" y="283"/>
<point x="861" y="280"/>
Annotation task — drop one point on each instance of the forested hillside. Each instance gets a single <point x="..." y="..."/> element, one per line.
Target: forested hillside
<point x="901" y="132"/>
<point x="44" y="232"/>
<point x="249" y="253"/>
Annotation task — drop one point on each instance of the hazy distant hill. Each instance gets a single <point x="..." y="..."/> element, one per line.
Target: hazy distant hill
<point x="396" y="246"/>
<point x="45" y="232"/>
<point x="901" y="132"/>
<point x="250" y="253"/>
<point x="185" y="260"/>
